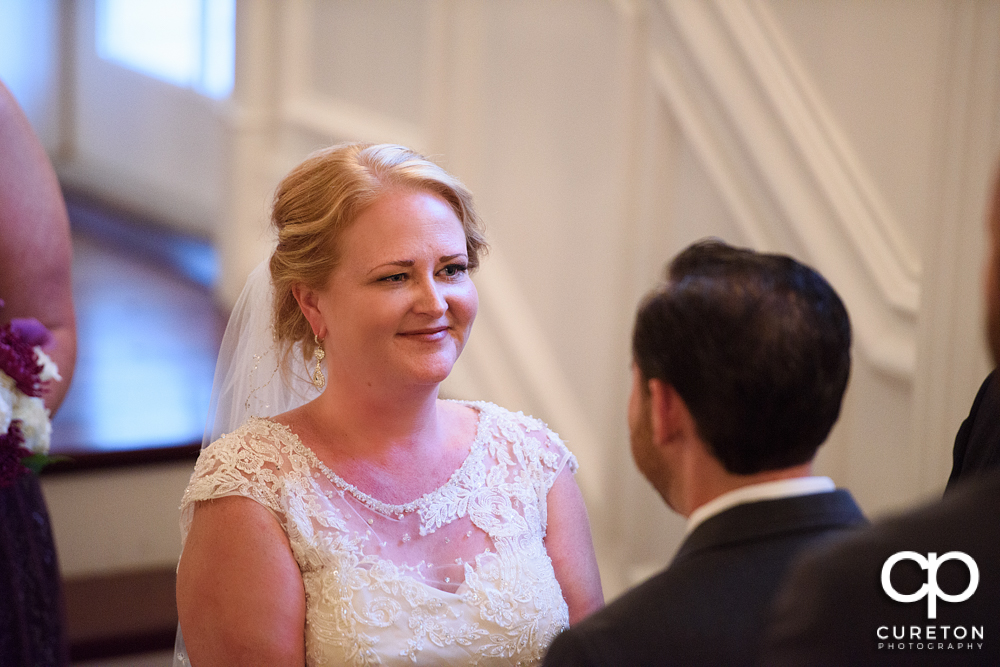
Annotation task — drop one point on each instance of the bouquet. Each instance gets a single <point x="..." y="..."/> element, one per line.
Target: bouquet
<point x="25" y="370"/>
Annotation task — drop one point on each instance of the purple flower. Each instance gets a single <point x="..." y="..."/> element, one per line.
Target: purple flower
<point x="17" y="359"/>
<point x="31" y="331"/>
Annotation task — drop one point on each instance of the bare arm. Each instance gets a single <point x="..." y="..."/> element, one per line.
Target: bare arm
<point x="571" y="548"/>
<point x="240" y="596"/>
<point x="35" y="249"/>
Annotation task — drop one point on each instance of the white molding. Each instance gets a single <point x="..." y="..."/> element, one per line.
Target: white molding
<point x="700" y="135"/>
<point x="748" y="110"/>
<point x="250" y="116"/>
<point x="456" y="116"/>
<point x="836" y="170"/>
<point x="330" y="117"/>
<point x="294" y="46"/>
<point x="305" y="109"/>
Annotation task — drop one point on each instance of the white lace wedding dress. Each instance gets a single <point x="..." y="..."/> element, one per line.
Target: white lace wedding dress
<point x="459" y="576"/>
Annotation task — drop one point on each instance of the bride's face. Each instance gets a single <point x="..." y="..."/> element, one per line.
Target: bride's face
<point x="400" y="304"/>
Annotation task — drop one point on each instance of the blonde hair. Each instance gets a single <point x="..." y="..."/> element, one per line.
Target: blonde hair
<point x="319" y="199"/>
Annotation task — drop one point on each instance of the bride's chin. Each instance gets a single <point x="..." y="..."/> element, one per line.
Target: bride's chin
<point x="433" y="374"/>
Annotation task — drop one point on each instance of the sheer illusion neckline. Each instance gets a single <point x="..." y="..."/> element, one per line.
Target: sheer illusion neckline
<point x="374" y="504"/>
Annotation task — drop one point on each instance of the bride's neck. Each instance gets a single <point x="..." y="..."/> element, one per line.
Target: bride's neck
<point x="374" y="418"/>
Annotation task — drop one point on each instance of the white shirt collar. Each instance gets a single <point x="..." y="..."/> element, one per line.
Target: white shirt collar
<point x="782" y="488"/>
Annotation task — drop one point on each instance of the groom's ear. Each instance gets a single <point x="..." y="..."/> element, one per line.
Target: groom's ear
<point x="308" y="300"/>
<point x="672" y="422"/>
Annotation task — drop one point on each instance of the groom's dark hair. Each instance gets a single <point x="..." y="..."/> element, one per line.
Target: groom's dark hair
<point x="758" y="347"/>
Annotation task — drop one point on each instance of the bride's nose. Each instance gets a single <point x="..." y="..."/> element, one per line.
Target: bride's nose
<point x="431" y="299"/>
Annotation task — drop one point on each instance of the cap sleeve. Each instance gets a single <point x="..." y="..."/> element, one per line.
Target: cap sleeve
<point x="553" y="456"/>
<point x="541" y="453"/>
<point x="247" y="462"/>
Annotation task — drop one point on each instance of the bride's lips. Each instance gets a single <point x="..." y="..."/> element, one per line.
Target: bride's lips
<point x="428" y="334"/>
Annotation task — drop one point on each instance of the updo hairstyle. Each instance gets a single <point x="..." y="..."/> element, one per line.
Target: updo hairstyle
<point x="319" y="199"/>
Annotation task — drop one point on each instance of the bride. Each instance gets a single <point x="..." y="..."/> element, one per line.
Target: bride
<point x="349" y="516"/>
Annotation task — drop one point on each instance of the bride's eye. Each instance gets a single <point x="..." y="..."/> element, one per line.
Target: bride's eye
<point x="394" y="278"/>
<point x="453" y="270"/>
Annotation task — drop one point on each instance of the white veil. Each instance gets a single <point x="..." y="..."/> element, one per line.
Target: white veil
<point x="248" y="381"/>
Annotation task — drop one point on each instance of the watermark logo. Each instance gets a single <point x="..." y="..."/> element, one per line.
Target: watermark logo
<point x="930" y="589"/>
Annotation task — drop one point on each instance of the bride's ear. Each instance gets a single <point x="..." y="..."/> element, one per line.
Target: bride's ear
<point x="308" y="300"/>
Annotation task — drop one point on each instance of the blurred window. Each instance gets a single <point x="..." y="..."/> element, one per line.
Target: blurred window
<point x="189" y="43"/>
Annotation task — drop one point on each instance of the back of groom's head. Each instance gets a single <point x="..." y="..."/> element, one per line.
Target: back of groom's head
<point x="758" y="347"/>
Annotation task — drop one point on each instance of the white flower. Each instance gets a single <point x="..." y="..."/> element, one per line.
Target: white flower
<point x="49" y="369"/>
<point x="29" y="410"/>
<point x="8" y="397"/>
<point x="35" y="424"/>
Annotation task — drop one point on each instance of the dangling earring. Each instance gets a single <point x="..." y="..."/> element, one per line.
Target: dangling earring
<point x="318" y="379"/>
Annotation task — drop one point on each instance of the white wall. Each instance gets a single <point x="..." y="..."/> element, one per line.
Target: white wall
<point x="30" y="63"/>
<point x="150" y="146"/>
<point x="120" y="519"/>
<point x="155" y="148"/>
<point x="600" y="137"/>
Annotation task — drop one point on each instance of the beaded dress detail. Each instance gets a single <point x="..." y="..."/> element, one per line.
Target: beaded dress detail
<point x="459" y="576"/>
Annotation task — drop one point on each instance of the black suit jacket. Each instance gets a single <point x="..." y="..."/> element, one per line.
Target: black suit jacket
<point x="709" y="606"/>
<point x="833" y="608"/>
<point x="977" y="443"/>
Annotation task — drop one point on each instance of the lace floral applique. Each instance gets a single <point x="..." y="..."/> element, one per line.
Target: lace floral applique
<point x="363" y="608"/>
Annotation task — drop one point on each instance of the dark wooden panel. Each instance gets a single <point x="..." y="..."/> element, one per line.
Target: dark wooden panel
<point x="121" y="613"/>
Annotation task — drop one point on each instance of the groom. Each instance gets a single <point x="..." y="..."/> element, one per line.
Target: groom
<point x="740" y="363"/>
<point x="877" y="598"/>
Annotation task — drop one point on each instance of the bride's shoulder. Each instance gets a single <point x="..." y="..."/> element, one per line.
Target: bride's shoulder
<point x="260" y="452"/>
<point x="528" y="434"/>
<point x="492" y="415"/>
<point x="255" y="461"/>
<point x="255" y="434"/>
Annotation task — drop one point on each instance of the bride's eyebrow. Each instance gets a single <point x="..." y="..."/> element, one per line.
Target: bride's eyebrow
<point x="406" y="263"/>
<point x="399" y="262"/>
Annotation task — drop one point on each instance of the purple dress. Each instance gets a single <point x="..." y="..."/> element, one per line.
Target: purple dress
<point x="31" y="604"/>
